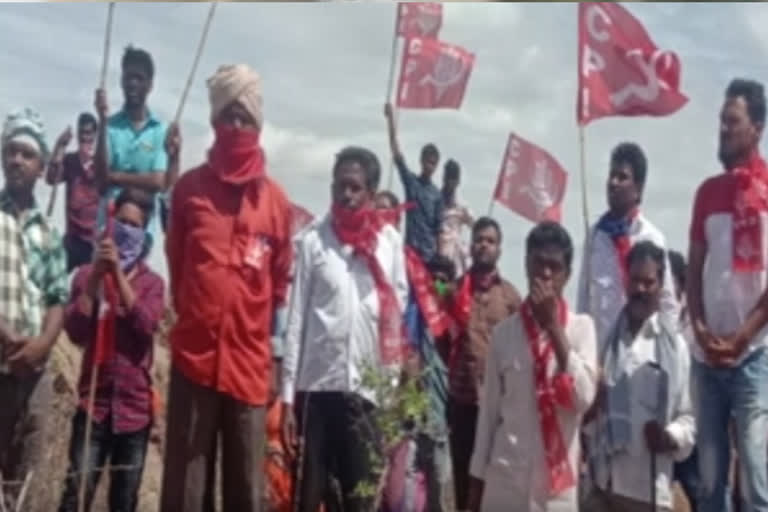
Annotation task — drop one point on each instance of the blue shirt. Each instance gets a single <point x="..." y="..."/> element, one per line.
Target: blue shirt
<point x="422" y="222"/>
<point x="135" y="151"/>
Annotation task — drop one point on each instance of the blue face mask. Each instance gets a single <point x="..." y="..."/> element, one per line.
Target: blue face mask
<point x="130" y="243"/>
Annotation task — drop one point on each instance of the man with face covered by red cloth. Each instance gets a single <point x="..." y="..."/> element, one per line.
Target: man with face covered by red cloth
<point x="229" y="257"/>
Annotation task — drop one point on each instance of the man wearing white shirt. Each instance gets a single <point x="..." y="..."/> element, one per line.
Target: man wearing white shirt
<point x="728" y="301"/>
<point x="347" y="299"/>
<point x="644" y="421"/>
<point x="603" y="276"/>
<point x="540" y="377"/>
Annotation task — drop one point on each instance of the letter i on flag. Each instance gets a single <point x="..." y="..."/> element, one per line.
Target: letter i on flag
<point x="621" y="71"/>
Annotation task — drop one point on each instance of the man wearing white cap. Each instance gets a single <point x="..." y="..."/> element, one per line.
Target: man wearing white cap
<point x="33" y="290"/>
<point x="229" y="256"/>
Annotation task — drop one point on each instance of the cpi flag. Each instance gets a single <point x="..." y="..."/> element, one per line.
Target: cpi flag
<point x="419" y="19"/>
<point x="433" y="74"/>
<point x="531" y="182"/>
<point x="621" y="71"/>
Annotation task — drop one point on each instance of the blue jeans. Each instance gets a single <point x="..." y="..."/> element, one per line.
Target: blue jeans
<point x="740" y="393"/>
<point x="126" y="452"/>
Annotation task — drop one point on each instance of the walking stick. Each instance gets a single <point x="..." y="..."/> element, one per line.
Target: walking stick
<point x="95" y="369"/>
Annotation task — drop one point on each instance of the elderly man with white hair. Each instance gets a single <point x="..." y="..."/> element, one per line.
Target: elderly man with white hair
<point x="229" y="256"/>
<point x="33" y="290"/>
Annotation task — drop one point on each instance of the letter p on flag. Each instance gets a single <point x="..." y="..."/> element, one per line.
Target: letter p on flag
<point x="621" y="71"/>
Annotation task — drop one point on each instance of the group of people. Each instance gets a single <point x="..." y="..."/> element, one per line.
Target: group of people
<point x="531" y="404"/>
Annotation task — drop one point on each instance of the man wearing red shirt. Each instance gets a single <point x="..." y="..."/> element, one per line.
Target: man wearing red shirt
<point x="229" y="256"/>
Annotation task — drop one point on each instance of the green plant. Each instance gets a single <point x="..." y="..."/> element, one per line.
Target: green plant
<point x="401" y="407"/>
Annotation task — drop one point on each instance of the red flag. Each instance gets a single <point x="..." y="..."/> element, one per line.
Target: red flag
<point x="419" y="19"/>
<point x="433" y="74"/>
<point x="621" y="71"/>
<point x="531" y="182"/>
<point x="104" y="344"/>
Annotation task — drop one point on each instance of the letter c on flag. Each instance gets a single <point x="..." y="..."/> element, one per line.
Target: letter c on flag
<point x="593" y="12"/>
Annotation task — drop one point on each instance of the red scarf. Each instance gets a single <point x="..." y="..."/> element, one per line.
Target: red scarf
<point x="359" y="229"/>
<point x="550" y="392"/>
<point x="751" y="199"/>
<point x="392" y="215"/>
<point x="470" y="283"/>
<point x="437" y="319"/>
<point x="236" y="156"/>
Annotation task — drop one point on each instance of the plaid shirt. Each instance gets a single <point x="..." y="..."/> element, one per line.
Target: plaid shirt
<point x="124" y="387"/>
<point x="33" y="269"/>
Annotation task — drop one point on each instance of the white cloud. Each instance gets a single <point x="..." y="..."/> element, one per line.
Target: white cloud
<point x="325" y="68"/>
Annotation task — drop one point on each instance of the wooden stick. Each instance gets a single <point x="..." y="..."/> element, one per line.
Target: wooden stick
<point x="85" y="466"/>
<point x="584" y="199"/>
<point x="23" y="492"/>
<point x="95" y="369"/>
<point x="54" y="189"/>
<point x="195" y="62"/>
<point x="390" y="87"/>
<point x="491" y="205"/>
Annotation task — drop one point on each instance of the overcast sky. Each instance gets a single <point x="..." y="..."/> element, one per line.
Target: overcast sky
<point x="325" y="69"/>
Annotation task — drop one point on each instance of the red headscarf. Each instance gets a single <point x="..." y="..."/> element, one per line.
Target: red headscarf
<point x="750" y="201"/>
<point x="359" y="228"/>
<point x="550" y="393"/>
<point x="236" y="156"/>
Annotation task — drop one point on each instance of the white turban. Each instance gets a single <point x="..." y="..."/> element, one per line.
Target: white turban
<point x="236" y="83"/>
<point x="26" y="126"/>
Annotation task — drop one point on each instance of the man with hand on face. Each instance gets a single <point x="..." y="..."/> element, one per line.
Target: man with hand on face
<point x="602" y="283"/>
<point x="643" y="410"/>
<point x="76" y="171"/>
<point x="483" y="300"/>
<point x="347" y="299"/>
<point x="229" y="252"/>
<point x="728" y="305"/>
<point x="33" y="291"/>
<point x="540" y="378"/>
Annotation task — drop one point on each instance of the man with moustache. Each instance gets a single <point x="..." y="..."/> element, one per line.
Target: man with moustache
<point x="540" y="377"/>
<point x="603" y="278"/>
<point x="347" y="298"/>
<point x="33" y="292"/>
<point x="76" y="171"/>
<point x="643" y="412"/>
<point x="483" y="299"/>
<point x="728" y="305"/>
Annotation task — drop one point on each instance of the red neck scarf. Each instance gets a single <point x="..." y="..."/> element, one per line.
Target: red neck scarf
<point x="471" y="282"/>
<point x="236" y="156"/>
<point x="359" y="229"/>
<point x="431" y="307"/>
<point x="550" y="393"/>
<point x="751" y="199"/>
<point x="392" y="215"/>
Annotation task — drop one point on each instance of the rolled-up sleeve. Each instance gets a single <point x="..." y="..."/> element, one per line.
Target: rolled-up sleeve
<point x="55" y="287"/>
<point x="682" y="428"/>
<point x="148" y="308"/>
<point x="490" y="407"/>
<point x="582" y="363"/>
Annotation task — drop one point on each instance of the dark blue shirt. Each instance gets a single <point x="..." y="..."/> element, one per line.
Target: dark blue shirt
<point x="422" y="222"/>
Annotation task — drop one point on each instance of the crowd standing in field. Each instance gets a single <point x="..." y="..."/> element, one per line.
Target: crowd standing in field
<point x="531" y="404"/>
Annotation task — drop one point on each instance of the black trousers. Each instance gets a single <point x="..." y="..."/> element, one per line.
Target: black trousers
<point x="462" y="423"/>
<point x="125" y="452"/>
<point x="339" y="440"/>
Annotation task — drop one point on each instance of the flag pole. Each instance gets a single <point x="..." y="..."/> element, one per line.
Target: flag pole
<point x="583" y="173"/>
<point x="84" y="469"/>
<point x="390" y="87"/>
<point x="195" y="62"/>
<point x="490" y="206"/>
